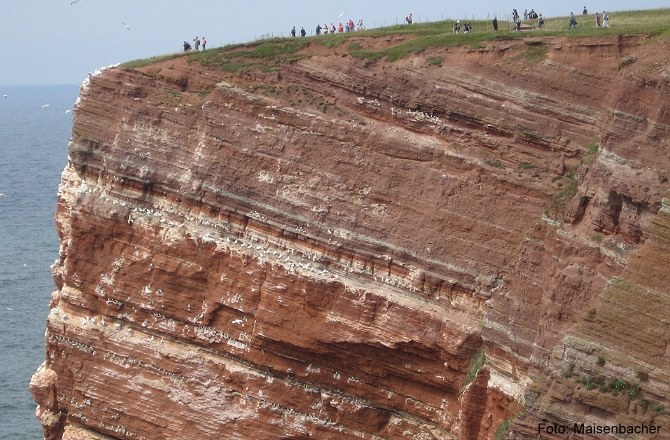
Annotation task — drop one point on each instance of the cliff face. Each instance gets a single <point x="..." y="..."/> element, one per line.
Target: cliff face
<point x="444" y="246"/>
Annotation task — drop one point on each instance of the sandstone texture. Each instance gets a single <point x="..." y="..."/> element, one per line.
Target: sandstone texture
<point x="458" y="244"/>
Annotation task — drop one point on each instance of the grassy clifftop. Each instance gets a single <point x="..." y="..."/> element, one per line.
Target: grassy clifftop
<point x="269" y="53"/>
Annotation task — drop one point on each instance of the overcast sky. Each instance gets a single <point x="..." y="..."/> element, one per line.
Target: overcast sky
<point x="60" y="41"/>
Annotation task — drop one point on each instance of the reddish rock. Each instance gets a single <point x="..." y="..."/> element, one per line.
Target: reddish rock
<point x="318" y="248"/>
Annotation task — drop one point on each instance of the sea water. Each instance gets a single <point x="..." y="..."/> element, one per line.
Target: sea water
<point x="35" y="126"/>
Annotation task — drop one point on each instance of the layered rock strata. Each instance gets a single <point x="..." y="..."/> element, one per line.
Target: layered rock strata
<point x="346" y="248"/>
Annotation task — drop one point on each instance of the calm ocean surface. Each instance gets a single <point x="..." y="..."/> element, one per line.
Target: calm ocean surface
<point x="33" y="152"/>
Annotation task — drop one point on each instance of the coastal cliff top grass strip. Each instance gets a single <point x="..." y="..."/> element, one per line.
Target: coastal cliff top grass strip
<point x="269" y="54"/>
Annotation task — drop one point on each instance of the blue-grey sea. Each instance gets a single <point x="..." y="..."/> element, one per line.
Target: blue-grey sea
<point x="35" y="126"/>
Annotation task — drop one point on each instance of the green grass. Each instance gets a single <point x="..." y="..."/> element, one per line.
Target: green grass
<point x="270" y="54"/>
<point x="440" y="34"/>
<point x="501" y="430"/>
<point x="136" y="64"/>
<point x="477" y="363"/>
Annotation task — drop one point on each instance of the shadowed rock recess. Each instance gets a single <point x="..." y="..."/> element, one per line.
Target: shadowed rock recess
<point x="459" y="244"/>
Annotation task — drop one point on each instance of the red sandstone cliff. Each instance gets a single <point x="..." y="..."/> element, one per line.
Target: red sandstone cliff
<point x="342" y="248"/>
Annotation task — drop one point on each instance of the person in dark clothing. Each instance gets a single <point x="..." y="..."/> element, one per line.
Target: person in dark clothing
<point x="585" y="12"/>
<point x="573" y="22"/>
<point x="495" y="23"/>
<point x="187" y="46"/>
<point x="293" y="31"/>
<point x="302" y="32"/>
<point x="318" y="29"/>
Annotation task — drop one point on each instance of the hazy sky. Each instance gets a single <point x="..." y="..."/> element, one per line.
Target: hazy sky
<point x="60" y="41"/>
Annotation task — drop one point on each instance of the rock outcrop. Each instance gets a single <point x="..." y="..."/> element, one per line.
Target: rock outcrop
<point x="462" y="243"/>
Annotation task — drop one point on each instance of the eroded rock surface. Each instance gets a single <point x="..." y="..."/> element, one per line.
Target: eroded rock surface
<point x="324" y="250"/>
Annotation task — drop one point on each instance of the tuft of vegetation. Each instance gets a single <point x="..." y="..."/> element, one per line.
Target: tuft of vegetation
<point x="435" y="61"/>
<point x="657" y="408"/>
<point x="643" y="376"/>
<point x="601" y="361"/>
<point x="569" y="371"/>
<point x="634" y="391"/>
<point x="527" y="166"/>
<point x="592" y="382"/>
<point x="477" y="363"/>
<point x="495" y="163"/>
<point x="501" y="430"/>
<point x="560" y="201"/>
<point x="617" y="384"/>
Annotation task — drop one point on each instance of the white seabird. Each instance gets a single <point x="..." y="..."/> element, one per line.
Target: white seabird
<point x="125" y="25"/>
<point x="46" y="105"/>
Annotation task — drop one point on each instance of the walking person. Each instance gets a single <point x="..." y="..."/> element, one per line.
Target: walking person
<point x="597" y="20"/>
<point x="606" y="20"/>
<point x="573" y="22"/>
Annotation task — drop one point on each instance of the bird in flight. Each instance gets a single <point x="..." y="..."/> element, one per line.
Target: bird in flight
<point x="126" y="26"/>
<point x="73" y="2"/>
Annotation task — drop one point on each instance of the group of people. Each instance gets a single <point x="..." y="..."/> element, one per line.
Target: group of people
<point x="467" y="27"/>
<point x="532" y="15"/>
<point x="197" y="42"/>
<point x="601" y="20"/>
<point x="347" y="26"/>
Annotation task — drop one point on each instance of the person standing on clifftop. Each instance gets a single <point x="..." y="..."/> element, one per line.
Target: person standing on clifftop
<point x="204" y="43"/>
<point x="293" y="32"/>
<point x="597" y="20"/>
<point x="409" y="19"/>
<point x="606" y="20"/>
<point x="573" y="22"/>
<point x="196" y="42"/>
<point x="495" y="23"/>
<point x="585" y="12"/>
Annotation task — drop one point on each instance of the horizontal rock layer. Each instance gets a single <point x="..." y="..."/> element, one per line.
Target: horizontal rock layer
<point x="341" y="248"/>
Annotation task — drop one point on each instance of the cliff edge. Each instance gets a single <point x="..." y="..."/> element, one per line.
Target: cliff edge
<point x="289" y="240"/>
